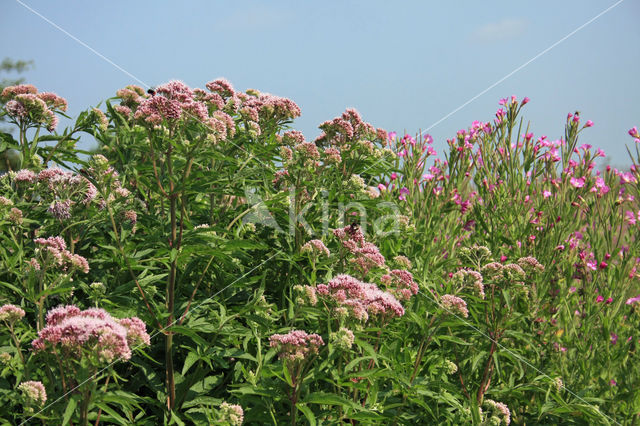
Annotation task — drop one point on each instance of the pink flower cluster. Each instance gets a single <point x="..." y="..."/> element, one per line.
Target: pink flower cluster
<point x="33" y="392"/>
<point x="315" y="247"/>
<point x="295" y="345"/>
<point x="60" y="187"/>
<point x="91" y="331"/>
<point x="231" y="414"/>
<point x="26" y="105"/>
<point x="346" y="130"/>
<point x="499" y="408"/>
<point x="11" y="313"/>
<point x="401" y="283"/>
<point x="57" y="249"/>
<point x="454" y="304"/>
<point x="359" y="299"/>
<point x="365" y="255"/>
<point x="468" y="278"/>
<point x="265" y="106"/>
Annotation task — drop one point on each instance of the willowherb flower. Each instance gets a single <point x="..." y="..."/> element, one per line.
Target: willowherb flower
<point x="295" y="345"/>
<point x="33" y="392"/>
<point x="454" y="304"/>
<point x="500" y="409"/>
<point x="633" y="300"/>
<point x="5" y="202"/>
<point x="11" y="313"/>
<point x="343" y="338"/>
<point x="230" y="414"/>
<point x="315" y="247"/>
<point x="92" y="332"/>
<point x="53" y="101"/>
<point x="5" y="358"/>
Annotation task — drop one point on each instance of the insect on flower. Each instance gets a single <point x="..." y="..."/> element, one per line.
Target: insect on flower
<point x="152" y="91"/>
<point x="353" y="228"/>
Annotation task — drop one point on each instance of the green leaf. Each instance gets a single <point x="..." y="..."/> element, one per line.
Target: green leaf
<point x="307" y="413"/>
<point x="68" y="412"/>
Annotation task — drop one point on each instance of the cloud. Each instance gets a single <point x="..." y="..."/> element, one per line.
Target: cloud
<point x="505" y="29"/>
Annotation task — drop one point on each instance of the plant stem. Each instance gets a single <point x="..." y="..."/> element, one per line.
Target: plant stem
<point x="171" y="287"/>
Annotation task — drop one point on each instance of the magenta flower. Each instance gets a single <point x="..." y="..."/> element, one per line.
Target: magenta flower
<point x="577" y="182"/>
<point x="599" y="299"/>
<point x="633" y="300"/>
<point x="633" y="132"/>
<point x="589" y="123"/>
<point x="614" y="338"/>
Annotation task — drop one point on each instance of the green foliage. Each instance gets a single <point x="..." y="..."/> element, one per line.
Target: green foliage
<point x="337" y="281"/>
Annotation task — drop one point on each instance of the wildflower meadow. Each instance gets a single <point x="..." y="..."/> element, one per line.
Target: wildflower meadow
<point x="208" y="264"/>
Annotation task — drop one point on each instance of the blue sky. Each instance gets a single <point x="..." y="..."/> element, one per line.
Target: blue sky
<point x="404" y="65"/>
